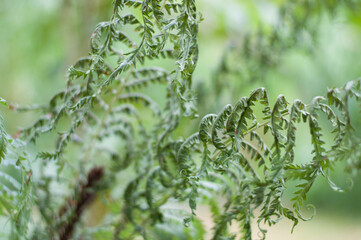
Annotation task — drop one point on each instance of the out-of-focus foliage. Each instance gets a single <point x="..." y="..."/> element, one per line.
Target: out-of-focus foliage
<point x="16" y="198"/>
<point x="264" y="34"/>
<point x="122" y="107"/>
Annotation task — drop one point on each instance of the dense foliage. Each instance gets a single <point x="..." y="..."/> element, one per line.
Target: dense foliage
<point x="115" y="145"/>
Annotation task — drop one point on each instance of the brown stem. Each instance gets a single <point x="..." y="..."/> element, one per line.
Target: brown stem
<point x="75" y="206"/>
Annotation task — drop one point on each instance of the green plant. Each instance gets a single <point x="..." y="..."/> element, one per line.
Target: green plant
<point x="123" y="149"/>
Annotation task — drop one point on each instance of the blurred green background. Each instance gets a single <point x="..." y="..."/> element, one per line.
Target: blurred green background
<point x="40" y="39"/>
